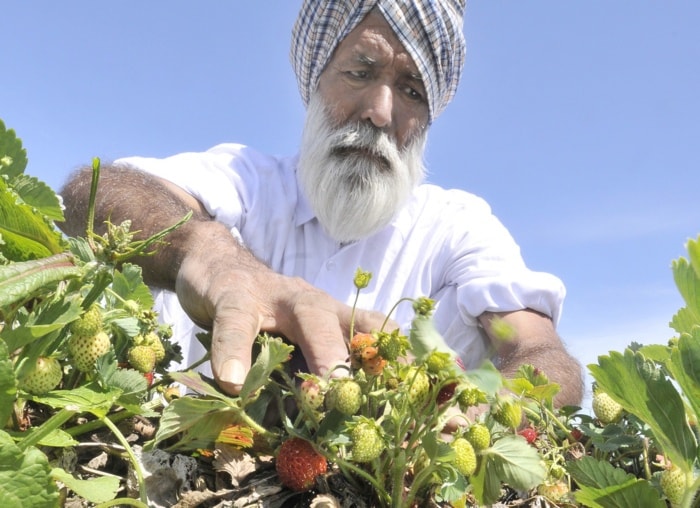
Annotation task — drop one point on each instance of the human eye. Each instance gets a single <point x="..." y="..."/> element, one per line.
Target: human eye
<point x="358" y="74"/>
<point x="414" y="94"/>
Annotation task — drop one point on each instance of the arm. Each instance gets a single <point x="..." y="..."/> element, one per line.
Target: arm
<point x="219" y="283"/>
<point x="536" y="342"/>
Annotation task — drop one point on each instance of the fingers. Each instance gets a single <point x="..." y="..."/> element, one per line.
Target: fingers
<point x="368" y="321"/>
<point x="233" y="334"/>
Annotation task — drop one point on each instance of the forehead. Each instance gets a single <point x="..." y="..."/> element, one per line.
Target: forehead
<point x="374" y="38"/>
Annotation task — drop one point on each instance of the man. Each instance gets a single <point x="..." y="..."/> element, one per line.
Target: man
<point x="274" y="242"/>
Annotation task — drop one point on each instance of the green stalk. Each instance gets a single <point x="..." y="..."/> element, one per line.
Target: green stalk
<point x="134" y="461"/>
<point x="48" y="427"/>
<point x="122" y="501"/>
<point x="379" y="488"/>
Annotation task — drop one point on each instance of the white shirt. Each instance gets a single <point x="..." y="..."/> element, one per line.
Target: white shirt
<point x="444" y="244"/>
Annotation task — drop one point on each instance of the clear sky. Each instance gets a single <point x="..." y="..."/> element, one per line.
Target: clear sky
<point x="579" y="122"/>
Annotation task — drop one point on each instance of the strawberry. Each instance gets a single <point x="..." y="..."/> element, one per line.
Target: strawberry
<point x="374" y="366"/>
<point x="142" y="358"/>
<point x="86" y="350"/>
<point x="89" y="324"/>
<point x="465" y="457"/>
<point x="438" y="361"/>
<point x="508" y="412"/>
<point x="43" y="377"/>
<point x="479" y="436"/>
<point x="311" y="394"/>
<point x="553" y="491"/>
<point x="367" y="442"/>
<point x="605" y="408"/>
<point x="470" y="395"/>
<point x="419" y="384"/>
<point x="298" y="464"/>
<point x="153" y="341"/>
<point x="529" y="434"/>
<point x="673" y="484"/>
<point x="344" y="395"/>
<point x="391" y="345"/>
<point x="358" y="343"/>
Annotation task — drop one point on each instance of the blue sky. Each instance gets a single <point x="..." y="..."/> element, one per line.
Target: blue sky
<point x="578" y="121"/>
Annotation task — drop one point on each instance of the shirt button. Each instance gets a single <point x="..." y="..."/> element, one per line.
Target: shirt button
<point x="330" y="265"/>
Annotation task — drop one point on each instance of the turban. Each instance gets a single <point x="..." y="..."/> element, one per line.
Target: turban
<point x="430" y="30"/>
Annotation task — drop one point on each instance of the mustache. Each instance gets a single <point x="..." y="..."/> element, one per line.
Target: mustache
<point x="364" y="142"/>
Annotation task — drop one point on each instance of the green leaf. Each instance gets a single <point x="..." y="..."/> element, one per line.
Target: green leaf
<point x="95" y="490"/>
<point x="637" y="384"/>
<point x="19" y="281"/>
<point x="25" y="232"/>
<point x="38" y="195"/>
<point x="128" y="284"/>
<point x="693" y="247"/>
<point x="425" y="338"/>
<point x="196" y="422"/>
<point x="684" y="366"/>
<point x="24" y="476"/>
<point x="273" y="353"/>
<point x="603" y="486"/>
<point x="8" y="384"/>
<point x="86" y="398"/>
<point x="684" y="320"/>
<point x="11" y="147"/>
<point x="46" y="318"/>
<point x="510" y="460"/>
<point x="688" y="284"/>
<point x="195" y="382"/>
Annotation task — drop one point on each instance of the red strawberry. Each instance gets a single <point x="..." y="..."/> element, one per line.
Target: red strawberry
<point x="529" y="434"/>
<point x="298" y="464"/>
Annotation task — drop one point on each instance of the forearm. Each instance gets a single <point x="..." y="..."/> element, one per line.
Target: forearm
<point x="527" y="337"/>
<point x="151" y="205"/>
<point x="552" y="359"/>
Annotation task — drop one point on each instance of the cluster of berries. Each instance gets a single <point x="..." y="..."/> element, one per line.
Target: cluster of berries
<point x="89" y="340"/>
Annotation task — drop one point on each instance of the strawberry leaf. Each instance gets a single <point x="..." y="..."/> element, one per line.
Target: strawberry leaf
<point x="639" y="387"/>
<point x="8" y="383"/>
<point x="95" y="490"/>
<point x="24" y="476"/>
<point x="684" y="366"/>
<point x="600" y="485"/>
<point x="13" y="158"/>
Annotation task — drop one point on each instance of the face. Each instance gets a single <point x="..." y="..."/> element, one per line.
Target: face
<point x="371" y="78"/>
<point x="362" y="146"/>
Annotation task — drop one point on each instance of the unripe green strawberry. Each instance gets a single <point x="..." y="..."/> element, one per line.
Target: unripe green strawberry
<point x="344" y="395"/>
<point x="469" y="396"/>
<point x="89" y="324"/>
<point x="418" y="385"/>
<point x="142" y="358"/>
<point x="367" y="442"/>
<point x="44" y="377"/>
<point x="438" y="361"/>
<point x="465" y="457"/>
<point x="508" y="412"/>
<point x="391" y="345"/>
<point x="553" y="491"/>
<point x="605" y="408"/>
<point x="479" y="436"/>
<point x="152" y="340"/>
<point x="86" y="350"/>
<point x="673" y="484"/>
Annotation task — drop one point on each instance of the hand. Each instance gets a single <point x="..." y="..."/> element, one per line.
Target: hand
<point x="223" y="287"/>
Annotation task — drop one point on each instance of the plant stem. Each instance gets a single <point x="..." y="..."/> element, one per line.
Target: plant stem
<point x="48" y="427"/>
<point x="134" y="461"/>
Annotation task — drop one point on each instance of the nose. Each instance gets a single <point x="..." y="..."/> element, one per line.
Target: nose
<point x="379" y="106"/>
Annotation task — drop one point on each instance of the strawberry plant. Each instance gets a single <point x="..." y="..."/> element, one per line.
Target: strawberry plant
<point x="83" y="360"/>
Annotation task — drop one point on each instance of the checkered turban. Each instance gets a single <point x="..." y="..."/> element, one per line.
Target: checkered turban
<point x="430" y="30"/>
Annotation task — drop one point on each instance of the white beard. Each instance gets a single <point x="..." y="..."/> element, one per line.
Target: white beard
<point x="354" y="176"/>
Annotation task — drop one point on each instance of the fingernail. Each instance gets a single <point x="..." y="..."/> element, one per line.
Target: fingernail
<point x="232" y="371"/>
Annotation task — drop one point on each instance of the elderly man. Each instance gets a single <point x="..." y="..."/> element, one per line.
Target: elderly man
<point x="274" y="242"/>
